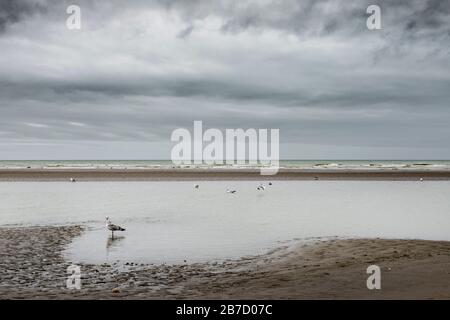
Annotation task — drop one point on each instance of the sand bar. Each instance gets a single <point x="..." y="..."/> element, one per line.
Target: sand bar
<point x="186" y="174"/>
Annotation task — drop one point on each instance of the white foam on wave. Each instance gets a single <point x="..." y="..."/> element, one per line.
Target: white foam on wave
<point x="303" y="165"/>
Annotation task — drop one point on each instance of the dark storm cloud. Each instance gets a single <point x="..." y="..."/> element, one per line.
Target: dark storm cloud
<point x="319" y="17"/>
<point x="12" y="11"/>
<point x="434" y="15"/>
<point x="135" y="72"/>
<point x="373" y="92"/>
<point x="185" y="32"/>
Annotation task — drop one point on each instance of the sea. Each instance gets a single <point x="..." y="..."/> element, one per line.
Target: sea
<point x="294" y="164"/>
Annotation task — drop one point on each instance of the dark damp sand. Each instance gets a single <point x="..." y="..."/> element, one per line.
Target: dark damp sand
<point x="32" y="267"/>
<point x="215" y="174"/>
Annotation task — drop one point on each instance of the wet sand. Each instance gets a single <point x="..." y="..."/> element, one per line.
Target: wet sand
<point x="194" y="174"/>
<point x="32" y="267"/>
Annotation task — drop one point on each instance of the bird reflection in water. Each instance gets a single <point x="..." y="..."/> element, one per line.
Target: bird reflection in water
<point x="114" y="243"/>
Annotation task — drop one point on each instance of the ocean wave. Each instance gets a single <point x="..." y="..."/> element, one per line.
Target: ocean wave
<point x="284" y="164"/>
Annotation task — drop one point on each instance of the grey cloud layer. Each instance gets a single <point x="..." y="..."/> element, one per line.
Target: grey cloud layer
<point x="12" y="11"/>
<point x="137" y="71"/>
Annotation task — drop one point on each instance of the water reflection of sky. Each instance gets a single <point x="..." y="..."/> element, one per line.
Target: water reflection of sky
<point x="171" y="222"/>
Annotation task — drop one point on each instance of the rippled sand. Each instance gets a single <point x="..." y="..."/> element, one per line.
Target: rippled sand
<point x="32" y="267"/>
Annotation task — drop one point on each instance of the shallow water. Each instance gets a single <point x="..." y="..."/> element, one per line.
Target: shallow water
<point x="171" y="221"/>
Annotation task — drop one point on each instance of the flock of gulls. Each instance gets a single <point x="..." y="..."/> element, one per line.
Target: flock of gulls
<point x="260" y="187"/>
<point x="113" y="227"/>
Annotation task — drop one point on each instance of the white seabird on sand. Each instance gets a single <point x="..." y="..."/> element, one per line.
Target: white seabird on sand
<point x="72" y="180"/>
<point x="231" y="190"/>
<point x="113" y="227"/>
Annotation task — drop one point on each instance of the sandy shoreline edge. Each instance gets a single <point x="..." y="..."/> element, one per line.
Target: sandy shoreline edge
<point x="32" y="267"/>
<point x="216" y="174"/>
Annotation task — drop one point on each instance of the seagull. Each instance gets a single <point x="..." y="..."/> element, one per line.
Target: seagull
<point x="261" y="187"/>
<point x="231" y="190"/>
<point x="421" y="179"/>
<point x="72" y="180"/>
<point x="196" y="186"/>
<point x="113" y="227"/>
<point x="270" y="183"/>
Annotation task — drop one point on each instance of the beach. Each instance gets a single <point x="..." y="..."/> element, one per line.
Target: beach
<point x="32" y="267"/>
<point x="224" y="150"/>
<point x="196" y="174"/>
<point x="298" y="239"/>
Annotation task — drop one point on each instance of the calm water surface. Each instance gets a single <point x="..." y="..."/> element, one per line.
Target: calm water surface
<point x="170" y="221"/>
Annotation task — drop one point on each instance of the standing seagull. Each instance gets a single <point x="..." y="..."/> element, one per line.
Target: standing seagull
<point x="196" y="186"/>
<point x="113" y="227"/>
<point x="231" y="190"/>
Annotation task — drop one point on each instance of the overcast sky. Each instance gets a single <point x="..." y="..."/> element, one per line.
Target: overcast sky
<point x="137" y="70"/>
